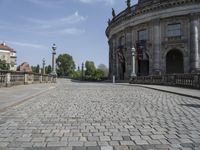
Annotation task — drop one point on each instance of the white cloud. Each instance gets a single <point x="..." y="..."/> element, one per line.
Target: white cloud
<point x="46" y="3"/>
<point x="51" y="3"/>
<point x="73" y="31"/>
<point x="65" y="31"/>
<point x="71" y="19"/>
<point x="24" y="44"/>
<point x="107" y="2"/>
<point x="65" y="25"/>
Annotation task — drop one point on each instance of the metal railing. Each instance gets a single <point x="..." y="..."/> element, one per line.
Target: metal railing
<point x="183" y="80"/>
<point x="11" y="78"/>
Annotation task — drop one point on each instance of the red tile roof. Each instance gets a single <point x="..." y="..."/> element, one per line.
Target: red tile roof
<point x="3" y="46"/>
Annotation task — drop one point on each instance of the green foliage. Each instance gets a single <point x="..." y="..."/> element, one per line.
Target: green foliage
<point x="4" y="65"/>
<point x="91" y="73"/>
<point x="105" y="70"/>
<point x="35" y="69"/>
<point x="77" y="74"/>
<point x="99" y="74"/>
<point x="48" y="69"/>
<point x="65" y="65"/>
<point x="90" y="69"/>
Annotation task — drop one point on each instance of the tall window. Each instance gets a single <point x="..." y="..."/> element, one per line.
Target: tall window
<point x="121" y="41"/>
<point x="142" y="35"/>
<point x="174" y="30"/>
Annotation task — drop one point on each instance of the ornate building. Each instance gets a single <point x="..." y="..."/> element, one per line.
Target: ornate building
<point x="8" y="55"/>
<point x="165" y="34"/>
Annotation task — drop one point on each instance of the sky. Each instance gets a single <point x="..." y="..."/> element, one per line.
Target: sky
<point x="77" y="27"/>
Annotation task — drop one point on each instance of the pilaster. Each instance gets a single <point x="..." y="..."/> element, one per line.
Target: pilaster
<point x="194" y="43"/>
<point x="128" y="53"/>
<point x="156" y="46"/>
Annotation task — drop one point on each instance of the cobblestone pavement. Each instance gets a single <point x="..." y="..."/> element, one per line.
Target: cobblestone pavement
<point x="90" y="116"/>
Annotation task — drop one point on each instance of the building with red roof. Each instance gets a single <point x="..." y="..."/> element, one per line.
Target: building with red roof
<point x="8" y="55"/>
<point x="25" y="67"/>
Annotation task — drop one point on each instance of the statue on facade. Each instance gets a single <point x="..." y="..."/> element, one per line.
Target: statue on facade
<point x="113" y="13"/>
<point x="109" y="21"/>
<point x="128" y="2"/>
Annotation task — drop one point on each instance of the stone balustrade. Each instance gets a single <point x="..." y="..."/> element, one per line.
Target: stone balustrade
<point x="11" y="78"/>
<point x="182" y="80"/>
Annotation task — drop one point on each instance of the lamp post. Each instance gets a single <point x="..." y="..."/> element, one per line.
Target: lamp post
<point x="43" y="64"/>
<point x="82" y="69"/>
<point x="54" y="60"/>
<point x="133" y="52"/>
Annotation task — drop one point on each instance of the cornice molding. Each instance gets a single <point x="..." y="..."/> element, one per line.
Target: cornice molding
<point x="138" y="10"/>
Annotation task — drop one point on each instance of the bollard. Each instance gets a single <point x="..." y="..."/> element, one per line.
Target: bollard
<point x="113" y="79"/>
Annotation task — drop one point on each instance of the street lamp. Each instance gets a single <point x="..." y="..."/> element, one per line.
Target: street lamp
<point x="43" y="64"/>
<point x="82" y="70"/>
<point x="54" y="60"/>
<point x="133" y="52"/>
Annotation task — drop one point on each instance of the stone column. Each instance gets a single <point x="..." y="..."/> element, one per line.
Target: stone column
<point x="41" y="78"/>
<point x="194" y="43"/>
<point x="156" y="47"/>
<point x="43" y="65"/>
<point x="26" y="78"/>
<point x="54" y="62"/>
<point x="8" y="78"/>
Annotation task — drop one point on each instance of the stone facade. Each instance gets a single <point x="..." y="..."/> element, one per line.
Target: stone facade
<point x="9" y="55"/>
<point x="165" y="34"/>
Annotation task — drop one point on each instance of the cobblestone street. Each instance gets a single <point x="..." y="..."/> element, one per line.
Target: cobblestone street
<point x="92" y="116"/>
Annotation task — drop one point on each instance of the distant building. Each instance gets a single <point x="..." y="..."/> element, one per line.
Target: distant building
<point x="9" y="55"/>
<point x="24" y="67"/>
<point x="165" y="34"/>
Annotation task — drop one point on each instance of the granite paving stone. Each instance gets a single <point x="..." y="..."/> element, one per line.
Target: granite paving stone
<point x="101" y="116"/>
<point x="106" y="148"/>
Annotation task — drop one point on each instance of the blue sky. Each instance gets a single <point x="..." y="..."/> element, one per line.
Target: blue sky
<point x="77" y="27"/>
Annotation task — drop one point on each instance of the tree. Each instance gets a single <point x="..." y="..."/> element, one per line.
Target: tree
<point x="99" y="74"/>
<point x="4" y="65"/>
<point x="90" y="68"/>
<point x="65" y="65"/>
<point x="104" y="69"/>
<point x="35" y="69"/>
<point x="77" y="74"/>
<point x="48" y="69"/>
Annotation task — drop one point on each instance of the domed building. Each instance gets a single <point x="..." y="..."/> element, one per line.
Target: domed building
<point x="165" y="34"/>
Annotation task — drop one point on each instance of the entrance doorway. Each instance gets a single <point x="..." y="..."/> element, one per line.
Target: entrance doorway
<point x="143" y="66"/>
<point x="174" y="62"/>
<point x="122" y="71"/>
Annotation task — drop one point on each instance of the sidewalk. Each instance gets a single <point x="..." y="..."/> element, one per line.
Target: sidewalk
<point x="194" y="93"/>
<point x="17" y="94"/>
